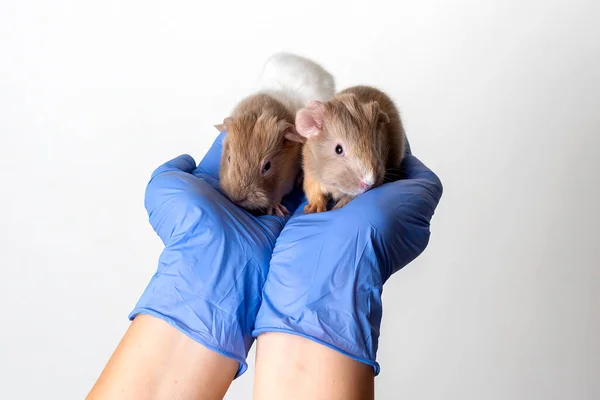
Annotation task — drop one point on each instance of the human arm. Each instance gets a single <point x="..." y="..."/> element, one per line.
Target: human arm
<point x="295" y="368"/>
<point x="156" y="361"/>
<point x="199" y="307"/>
<point x="328" y="269"/>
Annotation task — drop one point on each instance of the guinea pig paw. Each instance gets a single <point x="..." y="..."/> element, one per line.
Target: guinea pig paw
<point x="315" y="208"/>
<point x="278" y="210"/>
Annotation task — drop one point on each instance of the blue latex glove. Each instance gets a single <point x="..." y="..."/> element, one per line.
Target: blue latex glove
<point x="216" y="257"/>
<point x="328" y="269"/>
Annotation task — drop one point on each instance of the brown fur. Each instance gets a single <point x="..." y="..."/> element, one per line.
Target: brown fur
<point x="393" y="133"/>
<point x="257" y="132"/>
<point x="366" y="123"/>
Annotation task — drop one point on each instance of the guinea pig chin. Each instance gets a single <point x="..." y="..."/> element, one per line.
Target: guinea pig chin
<point x="356" y="184"/>
<point x="349" y="189"/>
<point x="253" y="201"/>
<point x="357" y="190"/>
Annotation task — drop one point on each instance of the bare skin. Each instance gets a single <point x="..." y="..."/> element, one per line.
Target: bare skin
<point x="294" y="368"/>
<point x="156" y="361"/>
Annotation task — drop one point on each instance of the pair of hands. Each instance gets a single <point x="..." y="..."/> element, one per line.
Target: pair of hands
<point x="226" y="276"/>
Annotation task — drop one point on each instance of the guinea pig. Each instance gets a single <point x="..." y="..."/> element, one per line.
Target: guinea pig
<point x="351" y="140"/>
<point x="261" y="156"/>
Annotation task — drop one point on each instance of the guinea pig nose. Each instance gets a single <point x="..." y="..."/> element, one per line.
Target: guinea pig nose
<point x="239" y="199"/>
<point x="364" y="185"/>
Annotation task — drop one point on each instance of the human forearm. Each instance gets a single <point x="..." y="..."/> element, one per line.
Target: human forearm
<point x="157" y="361"/>
<point x="292" y="367"/>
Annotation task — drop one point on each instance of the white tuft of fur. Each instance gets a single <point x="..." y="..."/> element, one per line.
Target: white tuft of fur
<point x="295" y="81"/>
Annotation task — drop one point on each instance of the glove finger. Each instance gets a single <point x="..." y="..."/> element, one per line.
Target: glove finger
<point x="412" y="168"/>
<point x="184" y="163"/>
<point x="420" y="187"/>
<point x="211" y="163"/>
<point x="415" y="169"/>
<point x="419" y="173"/>
<point x="404" y="226"/>
<point x="401" y="211"/>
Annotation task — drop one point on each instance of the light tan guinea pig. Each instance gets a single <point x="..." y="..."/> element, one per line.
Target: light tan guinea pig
<point x="261" y="154"/>
<point x="351" y="140"/>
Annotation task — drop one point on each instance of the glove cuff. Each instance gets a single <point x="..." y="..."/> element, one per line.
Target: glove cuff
<point x="354" y="333"/>
<point x="372" y="363"/>
<point x="199" y="336"/>
<point x="199" y="311"/>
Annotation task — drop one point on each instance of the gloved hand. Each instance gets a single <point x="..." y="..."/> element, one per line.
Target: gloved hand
<point x="328" y="269"/>
<point x="216" y="256"/>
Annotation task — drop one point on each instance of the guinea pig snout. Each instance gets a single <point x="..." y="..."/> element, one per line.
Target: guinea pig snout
<point x="238" y="198"/>
<point x="365" y="185"/>
<point x="236" y="194"/>
<point x="366" y="180"/>
<point x="249" y="198"/>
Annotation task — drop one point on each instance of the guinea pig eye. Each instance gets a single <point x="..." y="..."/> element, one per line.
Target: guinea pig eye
<point x="267" y="166"/>
<point x="339" y="150"/>
<point x="228" y="158"/>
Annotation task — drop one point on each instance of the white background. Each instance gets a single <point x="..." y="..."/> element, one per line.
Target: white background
<point x="501" y="99"/>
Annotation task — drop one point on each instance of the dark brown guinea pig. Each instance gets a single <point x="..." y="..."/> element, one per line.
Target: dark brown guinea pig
<point x="351" y="140"/>
<point x="261" y="154"/>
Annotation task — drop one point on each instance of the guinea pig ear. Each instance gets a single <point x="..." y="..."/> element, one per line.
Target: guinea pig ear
<point x="225" y="125"/>
<point x="377" y="115"/>
<point x="309" y="120"/>
<point x="353" y="105"/>
<point x="289" y="131"/>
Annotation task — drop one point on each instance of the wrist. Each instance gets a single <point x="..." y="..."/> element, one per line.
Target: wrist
<point x="358" y="343"/>
<point x="199" y="301"/>
<point x="346" y="319"/>
<point x="290" y="366"/>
